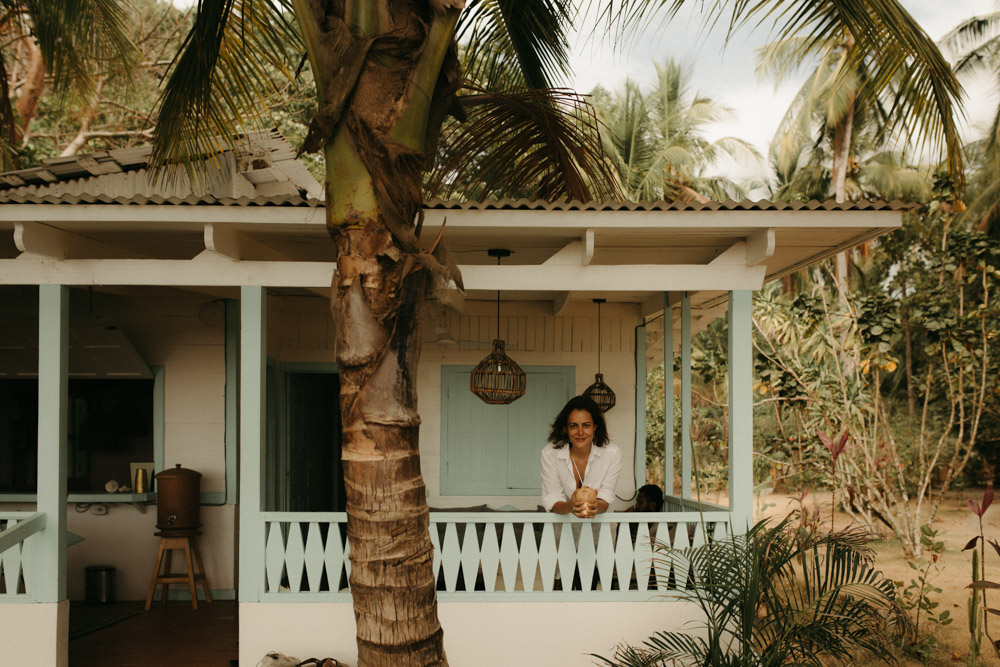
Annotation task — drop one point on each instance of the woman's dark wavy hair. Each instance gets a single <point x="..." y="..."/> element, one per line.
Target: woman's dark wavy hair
<point x="558" y="435"/>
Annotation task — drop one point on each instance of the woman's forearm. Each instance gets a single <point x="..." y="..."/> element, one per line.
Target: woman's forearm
<point x="562" y="507"/>
<point x="602" y="506"/>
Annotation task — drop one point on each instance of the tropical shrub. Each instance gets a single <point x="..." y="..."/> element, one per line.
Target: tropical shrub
<point x="778" y="595"/>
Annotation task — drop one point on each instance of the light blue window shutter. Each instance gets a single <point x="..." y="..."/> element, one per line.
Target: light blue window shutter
<point x="530" y="419"/>
<point x="475" y="444"/>
<point x="494" y="450"/>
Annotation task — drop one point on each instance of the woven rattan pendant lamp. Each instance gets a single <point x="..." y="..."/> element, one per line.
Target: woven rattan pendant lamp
<point x="599" y="392"/>
<point x="498" y="379"/>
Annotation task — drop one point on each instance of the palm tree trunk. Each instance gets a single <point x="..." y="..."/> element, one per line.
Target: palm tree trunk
<point x="377" y="307"/>
<point x="842" y="131"/>
<point x="31" y="92"/>
<point x="379" y="119"/>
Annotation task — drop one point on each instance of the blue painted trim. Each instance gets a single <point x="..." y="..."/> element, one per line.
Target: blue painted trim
<point x="47" y="549"/>
<point x="641" y="371"/>
<point x="232" y="496"/>
<point x="159" y="419"/>
<point x="687" y="448"/>
<point x="668" y="396"/>
<point x="741" y="409"/>
<point x="253" y="429"/>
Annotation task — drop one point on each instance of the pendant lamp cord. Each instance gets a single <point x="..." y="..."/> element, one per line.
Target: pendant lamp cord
<point x="598" y="336"/>
<point x="498" y="302"/>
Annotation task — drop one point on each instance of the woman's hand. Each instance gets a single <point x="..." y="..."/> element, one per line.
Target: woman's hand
<point x="583" y="509"/>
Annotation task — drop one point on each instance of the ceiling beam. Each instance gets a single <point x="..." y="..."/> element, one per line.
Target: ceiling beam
<point x="760" y="246"/>
<point x="208" y="273"/>
<point x="39" y="240"/>
<point x="578" y="253"/>
<point x="166" y="272"/>
<point x="226" y="241"/>
<point x="559" y="303"/>
<point x="618" y="278"/>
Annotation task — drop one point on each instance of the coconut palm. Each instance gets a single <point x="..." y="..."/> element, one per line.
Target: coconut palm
<point x="779" y="595"/>
<point x="71" y="45"/>
<point x="876" y="53"/>
<point x="974" y="46"/>
<point x="387" y="75"/>
<point x="801" y="158"/>
<point x="656" y="140"/>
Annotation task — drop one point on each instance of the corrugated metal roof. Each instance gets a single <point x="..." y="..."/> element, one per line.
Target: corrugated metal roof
<point x="33" y="196"/>
<point x="728" y="205"/>
<point x="9" y="197"/>
<point x="262" y="169"/>
<point x="266" y="172"/>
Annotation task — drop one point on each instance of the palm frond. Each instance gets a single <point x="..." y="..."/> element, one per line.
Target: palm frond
<point x="79" y="40"/>
<point x="530" y="143"/>
<point x="224" y="77"/>
<point x="972" y="41"/>
<point x="888" y="42"/>
<point x="778" y="596"/>
<point x="515" y="43"/>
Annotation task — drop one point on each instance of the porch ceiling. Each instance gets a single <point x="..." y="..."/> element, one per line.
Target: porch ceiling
<point x="561" y="252"/>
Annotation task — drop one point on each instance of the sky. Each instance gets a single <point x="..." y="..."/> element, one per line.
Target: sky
<point x="726" y="72"/>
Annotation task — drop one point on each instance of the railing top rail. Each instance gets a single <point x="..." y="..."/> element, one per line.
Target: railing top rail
<point x="4" y="516"/>
<point x="519" y="517"/>
<point x="25" y="528"/>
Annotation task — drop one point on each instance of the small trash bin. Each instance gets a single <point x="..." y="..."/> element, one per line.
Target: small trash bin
<point x="100" y="583"/>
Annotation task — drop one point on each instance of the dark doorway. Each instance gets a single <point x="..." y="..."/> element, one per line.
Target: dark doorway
<point x="315" y="479"/>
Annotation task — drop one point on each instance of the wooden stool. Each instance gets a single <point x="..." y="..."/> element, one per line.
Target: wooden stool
<point x="186" y="543"/>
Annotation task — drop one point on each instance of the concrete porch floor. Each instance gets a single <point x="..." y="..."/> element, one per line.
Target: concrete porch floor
<point x="171" y="634"/>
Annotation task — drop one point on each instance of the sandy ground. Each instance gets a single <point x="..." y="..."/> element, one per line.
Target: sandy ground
<point x="957" y="525"/>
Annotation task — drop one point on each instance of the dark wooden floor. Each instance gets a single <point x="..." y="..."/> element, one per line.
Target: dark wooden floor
<point x="167" y="635"/>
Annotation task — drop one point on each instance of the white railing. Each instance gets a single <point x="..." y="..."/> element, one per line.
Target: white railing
<point x="498" y="555"/>
<point x="15" y="528"/>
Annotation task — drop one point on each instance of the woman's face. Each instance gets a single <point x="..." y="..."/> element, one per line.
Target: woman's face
<point x="580" y="428"/>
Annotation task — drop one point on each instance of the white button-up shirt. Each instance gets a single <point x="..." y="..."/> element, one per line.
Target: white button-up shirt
<point x="559" y="483"/>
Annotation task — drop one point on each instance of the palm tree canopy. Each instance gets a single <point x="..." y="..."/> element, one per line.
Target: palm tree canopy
<point x="80" y="41"/>
<point x="883" y="39"/>
<point x="656" y="141"/>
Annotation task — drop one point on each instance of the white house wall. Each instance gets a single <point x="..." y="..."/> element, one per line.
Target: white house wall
<point x="560" y="634"/>
<point x="164" y="328"/>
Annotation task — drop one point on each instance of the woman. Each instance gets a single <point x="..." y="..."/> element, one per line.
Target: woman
<point x="579" y="454"/>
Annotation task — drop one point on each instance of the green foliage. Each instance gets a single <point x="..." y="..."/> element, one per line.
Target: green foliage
<point x="778" y="595"/>
<point x="655" y="140"/>
<point x="917" y="598"/>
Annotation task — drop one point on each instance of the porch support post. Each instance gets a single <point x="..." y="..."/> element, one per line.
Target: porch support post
<point x="668" y="396"/>
<point x="741" y="409"/>
<point x="640" y="405"/>
<point x="686" y="451"/>
<point x="253" y="369"/>
<point x="48" y="566"/>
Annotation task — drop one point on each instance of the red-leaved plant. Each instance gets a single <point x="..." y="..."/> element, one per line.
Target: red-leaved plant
<point x="836" y="446"/>
<point x="981" y="612"/>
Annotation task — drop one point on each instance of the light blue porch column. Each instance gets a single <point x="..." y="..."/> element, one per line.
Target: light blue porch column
<point x="48" y="548"/>
<point x="253" y="369"/>
<point x="668" y="396"/>
<point x="640" y="404"/>
<point x="741" y="409"/>
<point x="686" y="450"/>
